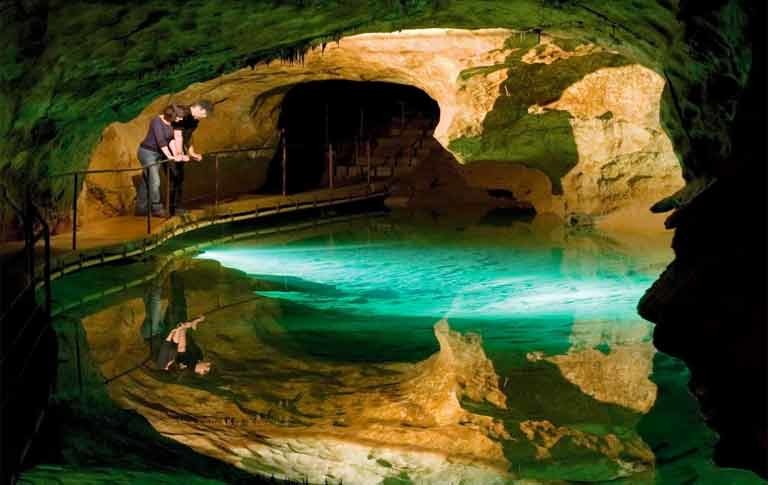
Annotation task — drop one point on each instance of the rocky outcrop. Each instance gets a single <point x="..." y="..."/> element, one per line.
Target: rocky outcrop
<point x="709" y="307"/>
<point x="709" y="304"/>
<point x="622" y="161"/>
<point x="60" y="65"/>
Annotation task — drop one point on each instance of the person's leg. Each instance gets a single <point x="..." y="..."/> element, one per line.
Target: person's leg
<point x="141" y="195"/>
<point x="177" y="301"/>
<point x="154" y="187"/>
<point x="177" y="181"/>
<point x="179" y="185"/>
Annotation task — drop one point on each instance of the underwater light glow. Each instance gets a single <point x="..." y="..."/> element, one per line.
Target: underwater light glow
<point x="395" y="279"/>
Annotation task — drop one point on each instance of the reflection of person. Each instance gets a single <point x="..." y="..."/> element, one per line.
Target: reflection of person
<point x="179" y="350"/>
<point x="187" y="120"/>
<point x="154" y="148"/>
<point x="166" y="335"/>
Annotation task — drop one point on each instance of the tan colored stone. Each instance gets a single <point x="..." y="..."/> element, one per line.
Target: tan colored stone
<point x="626" y="161"/>
<point x="303" y="417"/>
<point x="545" y="435"/>
<point x="547" y="52"/>
<point x="620" y="377"/>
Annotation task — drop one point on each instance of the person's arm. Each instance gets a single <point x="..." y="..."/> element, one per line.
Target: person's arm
<point x="157" y="130"/>
<point x="194" y="154"/>
<point x="177" y="145"/>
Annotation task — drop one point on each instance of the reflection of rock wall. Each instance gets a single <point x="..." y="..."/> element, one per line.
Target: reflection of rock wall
<point x="631" y="455"/>
<point x="621" y="376"/>
<point x="277" y="411"/>
<point x="269" y="412"/>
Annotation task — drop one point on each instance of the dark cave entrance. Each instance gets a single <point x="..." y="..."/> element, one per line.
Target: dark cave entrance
<point x="396" y="120"/>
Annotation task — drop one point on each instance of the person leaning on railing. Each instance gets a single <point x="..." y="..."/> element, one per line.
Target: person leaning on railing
<point x="154" y="148"/>
<point x="187" y="120"/>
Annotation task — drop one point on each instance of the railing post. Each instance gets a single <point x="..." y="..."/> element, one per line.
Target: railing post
<point x="285" y="163"/>
<point x="216" y="188"/>
<point x="168" y="189"/>
<point x="330" y="165"/>
<point x="368" y="158"/>
<point x="29" y="236"/>
<point x="47" y="270"/>
<point x="74" y="213"/>
<point x="149" y="200"/>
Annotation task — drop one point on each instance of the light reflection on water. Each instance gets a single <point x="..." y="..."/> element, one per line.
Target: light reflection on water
<point x="338" y="371"/>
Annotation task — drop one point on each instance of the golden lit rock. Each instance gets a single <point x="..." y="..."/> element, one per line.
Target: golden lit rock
<point x="625" y="160"/>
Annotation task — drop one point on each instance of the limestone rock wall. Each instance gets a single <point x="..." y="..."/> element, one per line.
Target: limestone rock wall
<point x="63" y="84"/>
<point x="622" y="160"/>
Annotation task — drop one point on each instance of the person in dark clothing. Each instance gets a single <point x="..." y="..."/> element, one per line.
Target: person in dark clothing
<point x="154" y="148"/>
<point x="187" y="120"/>
<point x="179" y="350"/>
<point x="170" y="347"/>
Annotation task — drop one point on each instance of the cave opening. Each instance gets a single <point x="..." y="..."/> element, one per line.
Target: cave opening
<point x="395" y="122"/>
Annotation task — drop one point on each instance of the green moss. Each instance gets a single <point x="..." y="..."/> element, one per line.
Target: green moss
<point x="543" y="141"/>
<point x="400" y="479"/>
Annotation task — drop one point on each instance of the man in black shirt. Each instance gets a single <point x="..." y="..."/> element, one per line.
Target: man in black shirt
<point x="182" y="145"/>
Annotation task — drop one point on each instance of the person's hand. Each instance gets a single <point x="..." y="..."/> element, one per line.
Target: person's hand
<point x="196" y="156"/>
<point x="202" y="368"/>
<point x="178" y="158"/>
<point x="193" y="323"/>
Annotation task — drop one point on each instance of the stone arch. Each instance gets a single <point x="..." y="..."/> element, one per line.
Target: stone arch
<point x="466" y="73"/>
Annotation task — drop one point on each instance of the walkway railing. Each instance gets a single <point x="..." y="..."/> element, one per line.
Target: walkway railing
<point x="24" y="322"/>
<point x="78" y="176"/>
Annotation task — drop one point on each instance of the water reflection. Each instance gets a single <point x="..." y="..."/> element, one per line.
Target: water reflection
<point x="391" y="351"/>
<point x="169" y="336"/>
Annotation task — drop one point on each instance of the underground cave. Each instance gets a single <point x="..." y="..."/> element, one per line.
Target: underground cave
<point x="383" y="242"/>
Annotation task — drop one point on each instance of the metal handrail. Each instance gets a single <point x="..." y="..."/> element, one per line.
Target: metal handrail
<point x="153" y="164"/>
<point x="77" y="174"/>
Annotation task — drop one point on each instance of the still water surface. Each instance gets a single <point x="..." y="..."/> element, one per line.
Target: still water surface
<point x="391" y="351"/>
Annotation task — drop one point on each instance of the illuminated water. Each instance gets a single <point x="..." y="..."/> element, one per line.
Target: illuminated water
<point x="325" y="353"/>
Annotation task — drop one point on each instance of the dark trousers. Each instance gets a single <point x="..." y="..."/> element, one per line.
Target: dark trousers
<point x="176" y="176"/>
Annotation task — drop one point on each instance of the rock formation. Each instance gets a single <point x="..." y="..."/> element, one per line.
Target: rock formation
<point x="621" y="164"/>
<point x="709" y="304"/>
<point x="270" y="410"/>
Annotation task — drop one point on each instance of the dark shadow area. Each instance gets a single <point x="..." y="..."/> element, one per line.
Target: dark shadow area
<point x="711" y="311"/>
<point x="394" y="118"/>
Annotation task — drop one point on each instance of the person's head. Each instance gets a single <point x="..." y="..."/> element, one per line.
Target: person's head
<point x="169" y="114"/>
<point x="180" y="111"/>
<point x="201" y="109"/>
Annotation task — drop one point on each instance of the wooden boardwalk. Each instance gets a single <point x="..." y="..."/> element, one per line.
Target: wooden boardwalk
<point x="126" y="236"/>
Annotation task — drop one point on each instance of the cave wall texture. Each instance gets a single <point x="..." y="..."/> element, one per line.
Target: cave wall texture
<point x="709" y="305"/>
<point x="72" y="68"/>
<point x="68" y="69"/>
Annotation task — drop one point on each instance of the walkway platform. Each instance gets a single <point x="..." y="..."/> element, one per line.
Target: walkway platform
<point x="126" y="236"/>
